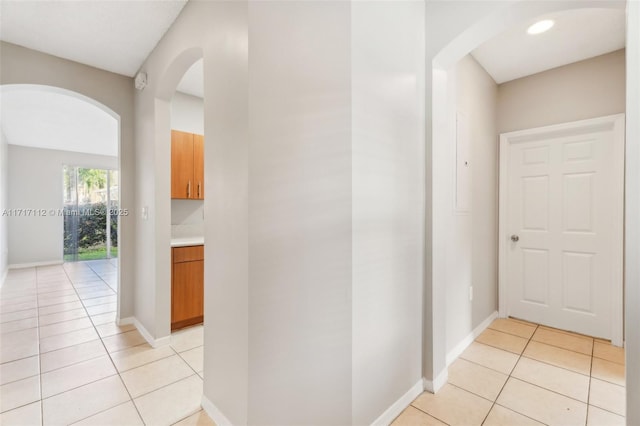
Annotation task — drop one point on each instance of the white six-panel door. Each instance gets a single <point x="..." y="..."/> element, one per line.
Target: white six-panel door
<point x="561" y="224"/>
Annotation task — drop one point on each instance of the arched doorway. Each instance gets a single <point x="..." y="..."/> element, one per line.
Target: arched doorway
<point x="165" y="91"/>
<point x="439" y="134"/>
<point x="57" y="130"/>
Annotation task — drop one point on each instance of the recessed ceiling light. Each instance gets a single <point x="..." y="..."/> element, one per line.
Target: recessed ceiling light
<point x="540" y="26"/>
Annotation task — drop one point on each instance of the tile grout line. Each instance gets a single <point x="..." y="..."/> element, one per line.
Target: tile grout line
<point x="506" y="332"/>
<point x="538" y="341"/>
<point x="509" y="376"/>
<point x="2" y="311"/>
<point x="421" y="410"/>
<point x="39" y="357"/>
<point x="586" y="420"/>
<point x="22" y="329"/>
<point x="105" y="410"/>
<point x="471" y="392"/>
<point x="110" y="359"/>
<point x="524" y="356"/>
<point x="523" y="415"/>
<point x="548" y="390"/>
<point x="185" y="361"/>
<point x="166" y="385"/>
<point x="75" y="363"/>
<point x="23" y="378"/>
<point x="608" y="411"/>
<point x="125" y="386"/>
<point x="146" y="363"/>
<point x="555" y="392"/>
<point x="93" y="358"/>
<point x="132" y="399"/>
<point x="19" y="310"/>
<point x="523" y="381"/>
<point x="548" y="363"/>
<point x="554" y="365"/>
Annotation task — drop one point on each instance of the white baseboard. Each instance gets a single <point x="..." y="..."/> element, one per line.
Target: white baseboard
<point x="35" y="264"/>
<point x="434" y="386"/>
<point x="126" y="321"/>
<point x="216" y="415"/>
<point x="398" y="407"/>
<point x="464" y="344"/>
<point x="163" y="341"/>
<point x="4" y="276"/>
<point x="155" y="343"/>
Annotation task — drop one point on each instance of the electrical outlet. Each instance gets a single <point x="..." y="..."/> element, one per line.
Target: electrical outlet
<point x="470" y="293"/>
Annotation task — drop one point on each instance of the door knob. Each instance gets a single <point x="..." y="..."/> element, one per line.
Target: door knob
<point x="515" y="238"/>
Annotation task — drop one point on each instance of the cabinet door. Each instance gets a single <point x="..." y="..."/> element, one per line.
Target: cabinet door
<point x="198" y="167"/>
<point x="187" y="291"/>
<point x="181" y="164"/>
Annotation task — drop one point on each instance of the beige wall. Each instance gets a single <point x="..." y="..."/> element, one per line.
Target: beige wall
<point x="591" y="88"/>
<point x="473" y="247"/>
<point x="304" y="284"/>
<point x="4" y="199"/>
<point x="34" y="239"/>
<point x="217" y="32"/>
<point x="632" y="220"/>
<point x="300" y="258"/>
<point x="387" y="141"/>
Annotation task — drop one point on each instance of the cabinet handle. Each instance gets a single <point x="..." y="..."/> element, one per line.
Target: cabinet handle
<point x="199" y="183"/>
<point x="189" y="189"/>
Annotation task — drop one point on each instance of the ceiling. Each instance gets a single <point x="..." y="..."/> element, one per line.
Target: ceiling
<point x="113" y="35"/>
<point x="118" y="35"/>
<point x="577" y="35"/>
<point x="192" y="82"/>
<point x="43" y="117"/>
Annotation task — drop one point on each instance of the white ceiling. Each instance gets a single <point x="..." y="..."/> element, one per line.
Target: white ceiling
<point x="56" y="119"/>
<point x="577" y="35"/>
<point x="192" y="82"/>
<point x="113" y="35"/>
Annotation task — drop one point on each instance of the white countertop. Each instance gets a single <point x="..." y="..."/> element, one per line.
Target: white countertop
<point x="187" y="241"/>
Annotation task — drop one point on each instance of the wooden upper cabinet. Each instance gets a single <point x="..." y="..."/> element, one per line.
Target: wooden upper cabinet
<point x="198" y="166"/>
<point x="181" y="164"/>
<point x="187" y="165"/>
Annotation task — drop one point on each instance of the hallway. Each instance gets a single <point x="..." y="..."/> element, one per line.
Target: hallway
<point x="65" y="361"/>
<point x="518" y="373"/>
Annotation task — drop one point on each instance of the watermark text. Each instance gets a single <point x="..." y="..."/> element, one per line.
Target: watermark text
<point x="62" y="212"/>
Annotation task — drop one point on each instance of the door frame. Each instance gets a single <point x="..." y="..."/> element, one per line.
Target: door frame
<point x="617" y="124"/>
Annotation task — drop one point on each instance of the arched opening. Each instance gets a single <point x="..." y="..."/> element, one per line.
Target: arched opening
<point x="74" y="229"/>
<point x="442" y="89"/>
<point x="179" y="113"/>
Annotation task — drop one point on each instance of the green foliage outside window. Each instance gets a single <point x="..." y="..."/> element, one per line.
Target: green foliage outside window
<point x="90" y="223"/>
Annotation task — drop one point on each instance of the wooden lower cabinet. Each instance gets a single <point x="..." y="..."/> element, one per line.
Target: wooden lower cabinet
<point x="187" y="286"/>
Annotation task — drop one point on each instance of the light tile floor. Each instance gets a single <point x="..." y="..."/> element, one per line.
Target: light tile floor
<point x="518" y="373"/>
<point x="63" y="360"/>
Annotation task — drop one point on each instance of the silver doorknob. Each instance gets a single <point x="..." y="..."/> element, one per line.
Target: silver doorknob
<point x="515" y="238"/>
